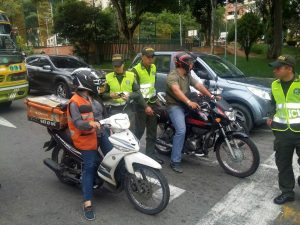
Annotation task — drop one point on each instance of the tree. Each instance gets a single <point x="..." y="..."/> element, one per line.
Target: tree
<point x="83" y="25"/>
<point x="165" y="24"/>
<point x="205" y="13"/>
<point x="249" y="30"/>
<point x="11" y="7"/>
<point x="272" y="15"/>
<point x="31" y="22"/>
<point x="130" y="15"/>
<point x="202" y="11"/>
<point x="291" y="19"/>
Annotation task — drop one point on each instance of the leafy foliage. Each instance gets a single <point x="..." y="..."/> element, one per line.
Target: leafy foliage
<point x="249" y="29"/>
<point x="83" y="25"/>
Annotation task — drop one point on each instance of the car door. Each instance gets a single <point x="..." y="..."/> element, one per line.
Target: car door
<point x="32" y="66"/>
<point x="44" y="74"/>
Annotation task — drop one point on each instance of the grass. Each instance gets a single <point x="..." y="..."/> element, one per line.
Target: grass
<point x="258" y="66"/>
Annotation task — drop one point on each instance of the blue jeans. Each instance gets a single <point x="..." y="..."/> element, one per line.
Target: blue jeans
<point x="91" y="161"/>
<point x="104" y="143"/>
<point x="90" y="164"/>
<point x="177" y="116"/>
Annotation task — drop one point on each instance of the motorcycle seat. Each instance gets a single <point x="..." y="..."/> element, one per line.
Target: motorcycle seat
<point x="66" y="135"/>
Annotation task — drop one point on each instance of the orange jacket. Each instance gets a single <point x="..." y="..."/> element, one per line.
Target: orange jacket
<point x="82" y="140"/>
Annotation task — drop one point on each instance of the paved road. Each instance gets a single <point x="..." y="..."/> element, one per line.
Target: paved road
<point x="203" y="194"/>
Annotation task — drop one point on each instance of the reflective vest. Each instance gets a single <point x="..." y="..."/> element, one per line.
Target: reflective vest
<point x="82" y="140"/>
<point x="147" y="81"/>
<point x="115" y="87"/>
<point x="287" y="107"/>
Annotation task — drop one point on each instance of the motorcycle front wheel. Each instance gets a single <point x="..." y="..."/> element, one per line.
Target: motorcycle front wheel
<point x="245" y="160"/>
<point x="147" y="189"/>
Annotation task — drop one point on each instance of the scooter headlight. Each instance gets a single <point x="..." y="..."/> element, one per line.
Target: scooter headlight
<point x="231" y="115"/>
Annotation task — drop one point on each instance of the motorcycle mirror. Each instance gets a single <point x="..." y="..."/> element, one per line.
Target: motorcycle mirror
<point x="207" y="83"/>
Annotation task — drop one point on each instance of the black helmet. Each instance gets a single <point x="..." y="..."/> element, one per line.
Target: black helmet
<point x="86" y="79"/>
<point x="183" y="60"/>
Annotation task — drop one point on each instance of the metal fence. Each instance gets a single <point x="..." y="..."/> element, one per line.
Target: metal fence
<point x="106" y="50"/>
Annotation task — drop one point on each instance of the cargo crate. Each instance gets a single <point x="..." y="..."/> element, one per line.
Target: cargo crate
<point x="49" y="110"/>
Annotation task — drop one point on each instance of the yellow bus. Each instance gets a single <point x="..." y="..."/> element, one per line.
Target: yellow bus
<point x="5" y="26"/>
<point x="13" y="73"/>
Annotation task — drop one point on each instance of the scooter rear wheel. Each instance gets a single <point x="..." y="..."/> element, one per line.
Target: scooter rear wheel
<point x="147" y="189"/>
<point x="58" y="156"/>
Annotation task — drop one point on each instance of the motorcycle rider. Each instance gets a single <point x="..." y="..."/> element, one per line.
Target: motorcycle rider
<point x="84" y="112"/>
<point x="121" y="87"/>
<point x="178" y="86"/>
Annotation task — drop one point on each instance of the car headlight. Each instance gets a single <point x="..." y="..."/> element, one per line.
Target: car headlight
<point x="231" y="115"/>
<point x="260" y="93"/>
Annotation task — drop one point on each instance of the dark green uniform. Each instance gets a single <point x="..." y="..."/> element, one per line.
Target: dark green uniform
<point x="287" y="137"/>
<point x="146" y="78"/>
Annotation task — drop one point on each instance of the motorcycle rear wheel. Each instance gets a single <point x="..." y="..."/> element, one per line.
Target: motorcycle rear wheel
<point x="246" y="151"/>
<point x="162" y="137"/>
<point x="147" y="185"/>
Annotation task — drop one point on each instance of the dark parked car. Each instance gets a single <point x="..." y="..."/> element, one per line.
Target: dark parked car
<point x="51" y="73"/>
<point x="250" y="97"/>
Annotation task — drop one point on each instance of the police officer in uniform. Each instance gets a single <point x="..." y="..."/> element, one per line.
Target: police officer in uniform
<point x="121" y="87"/>
<point x="285" y="124"/>
<point x="145" y="72"/>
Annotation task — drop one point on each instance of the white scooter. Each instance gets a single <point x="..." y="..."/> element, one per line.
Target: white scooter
<point x="124" y="167"/>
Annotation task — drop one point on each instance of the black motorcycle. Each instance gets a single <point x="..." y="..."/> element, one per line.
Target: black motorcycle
<point x="214" y="126"/>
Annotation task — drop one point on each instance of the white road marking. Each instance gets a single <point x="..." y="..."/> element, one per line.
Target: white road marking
<point x="6" y="123"/>
<point x="175" y="192"/>
<point x="250" y="202"/>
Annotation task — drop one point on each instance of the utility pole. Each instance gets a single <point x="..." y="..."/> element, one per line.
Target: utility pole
<point x="235" y="31"/>
<point x="226" y="28"/>
<point x="212" y="33"/>
<point x="180" y="24"/>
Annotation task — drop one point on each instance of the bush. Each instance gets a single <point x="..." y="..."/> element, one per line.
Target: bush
<point x="259" y="49"/>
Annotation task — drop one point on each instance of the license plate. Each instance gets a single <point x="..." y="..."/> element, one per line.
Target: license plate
<point x="15" y="68"/>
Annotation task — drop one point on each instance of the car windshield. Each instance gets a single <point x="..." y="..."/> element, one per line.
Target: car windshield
<point x="222" y="68"/>
<point x="67" y="62"/>
<point x="6" y="43"/>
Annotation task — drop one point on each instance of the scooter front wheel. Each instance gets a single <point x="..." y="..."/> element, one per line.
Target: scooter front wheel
<point x="147" y="189"/>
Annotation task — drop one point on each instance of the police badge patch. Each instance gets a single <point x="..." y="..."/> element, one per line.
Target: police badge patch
<point x="297" y="91"/>
<point x="127" y="82"/>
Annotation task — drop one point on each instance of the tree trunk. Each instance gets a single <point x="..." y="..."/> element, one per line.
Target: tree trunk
<point x="130" y="44"/>
<point x="275" y="47"/>
<point x="212" y="27"/>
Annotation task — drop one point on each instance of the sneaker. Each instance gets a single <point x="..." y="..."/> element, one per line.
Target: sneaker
<point x="283" y="198"/>
<point x="88" y="213"/>
<point x="176" y="167"/>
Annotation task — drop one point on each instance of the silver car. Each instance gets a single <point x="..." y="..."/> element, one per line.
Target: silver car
<point x="250" y="97"/>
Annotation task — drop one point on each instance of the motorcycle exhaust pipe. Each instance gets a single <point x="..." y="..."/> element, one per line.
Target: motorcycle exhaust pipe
<point x="163" y="143"/>
<point x="56" y="169"/>
<point x="52" y="165"/>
